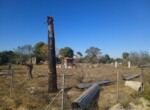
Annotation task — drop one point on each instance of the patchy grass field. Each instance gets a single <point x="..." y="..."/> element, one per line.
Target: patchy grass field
<point x="32" y="94"/>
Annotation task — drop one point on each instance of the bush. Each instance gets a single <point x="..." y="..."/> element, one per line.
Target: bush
<point x="139" y="58"/>
<point x="7" y="57"/>
<point x="90" y="59"/>
<point x="79" y="60"/>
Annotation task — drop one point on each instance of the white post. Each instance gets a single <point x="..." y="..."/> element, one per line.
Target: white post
<point x="65" y="62"/>
<point x="129" y="64"/>
<point x="141" y="75"/>
<point x="116" y="64"/>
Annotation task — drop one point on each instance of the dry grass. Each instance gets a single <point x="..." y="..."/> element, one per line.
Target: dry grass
<point x="32" y="94"/>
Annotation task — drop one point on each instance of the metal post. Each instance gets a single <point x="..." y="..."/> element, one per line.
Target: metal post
<point x="63" y="92"/>
<point x="53" y="100"/>
<point x="117" y="86"/>
<point x="11" y="83"/>
<point x="63" y="84"/>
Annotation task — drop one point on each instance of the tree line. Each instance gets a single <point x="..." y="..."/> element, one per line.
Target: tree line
<point x="21" y="54"/>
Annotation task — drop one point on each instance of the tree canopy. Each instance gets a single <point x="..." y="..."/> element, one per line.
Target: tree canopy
<point x="125" y="55"/>
<point x="66" y="52"/>
<point x="93" y="51"/>
<point x="44" y="52"/>
<point x="80" y="54"/>
<point x="7" y="57"/>
<point x="38" y="46"/>
<point x="105" y="59"/>
<point x="41" y="51"/>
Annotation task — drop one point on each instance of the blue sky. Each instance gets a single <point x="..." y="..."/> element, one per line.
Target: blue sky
<point x="114" y="26"/>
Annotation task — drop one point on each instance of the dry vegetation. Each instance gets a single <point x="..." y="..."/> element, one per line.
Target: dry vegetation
<point x="32" y="94"/>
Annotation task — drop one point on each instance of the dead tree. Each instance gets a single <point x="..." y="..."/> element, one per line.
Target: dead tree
<point x="52" y="80"/>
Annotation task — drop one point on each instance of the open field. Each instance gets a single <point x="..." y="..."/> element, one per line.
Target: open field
<point x="32" y="94"/>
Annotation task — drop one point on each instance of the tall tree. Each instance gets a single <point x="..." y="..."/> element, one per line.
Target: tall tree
<point x="37" y="51"/>
<point x="52" y="80"/>
<point x="3" y="58"/>
<point x="38" y="46"/>
<point x="107" y="57"/>
<point x="93" y="51"/>
<point x="80" y="54"/>
<point x="66" y="52"/>
<point x="44" y="52"/>
<point x="104" y="59"/>
<point x="7" y="57"/>
<point x="125" y="55"/>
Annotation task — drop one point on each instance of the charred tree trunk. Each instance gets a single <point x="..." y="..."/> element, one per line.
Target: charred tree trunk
<point x="29" y="70"/>
<point x="52" y="80"/>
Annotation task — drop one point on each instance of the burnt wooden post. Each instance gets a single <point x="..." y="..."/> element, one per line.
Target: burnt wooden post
<point x="52" y="80"/>
<point x="29" y="70"/>
<point x="9" y="68"/>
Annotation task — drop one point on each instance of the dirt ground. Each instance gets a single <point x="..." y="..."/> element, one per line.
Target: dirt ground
<point x="31" y="94"/>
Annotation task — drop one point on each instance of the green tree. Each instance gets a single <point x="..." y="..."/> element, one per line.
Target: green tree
<point x="93" y="51"/>
<point x="3" y="58"/>
<point x="66" y="52"/>
<point x="37" y="48"/>
<point x="37" y="51"/>
<point x="105" y="59"/>
<point x="80" y="54"/>
<point x="111" y="60"/>
<point x="125" y="55"/>
<point x="89" y="59"/>
<point x="7" y="57"/>
<point x="80" y="58"/>
<point x="44" y="52"/>
<point x="118" y="59"/>
<point x="92" y="55"/>
<point x="11" y="55"/>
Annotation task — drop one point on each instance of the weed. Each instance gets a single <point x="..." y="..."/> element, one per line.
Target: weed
<point x="18" y="102"/>
<point x="136" y="102"/>
<point x="146" y="93"/>
<point x="148" y="105"/>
